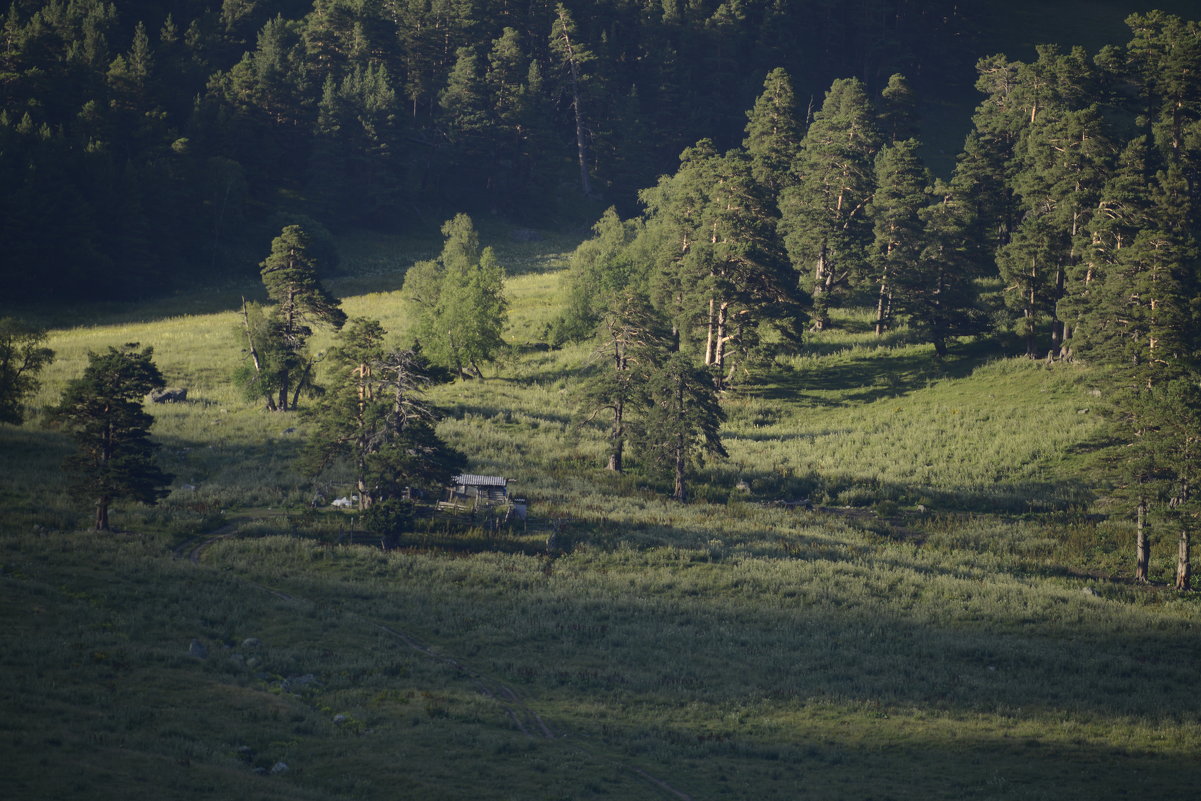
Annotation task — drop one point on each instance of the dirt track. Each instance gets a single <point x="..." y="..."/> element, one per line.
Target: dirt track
<point x="525" y="719"/>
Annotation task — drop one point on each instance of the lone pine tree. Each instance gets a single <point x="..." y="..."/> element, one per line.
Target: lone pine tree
<point x="634" y="341"/>
<point x="280" y="367"/>
<point x="374" y="418"/>
<point x="682" y="421"/>
<point x="102" y="411"/>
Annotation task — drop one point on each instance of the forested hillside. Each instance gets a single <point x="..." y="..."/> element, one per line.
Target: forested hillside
<point x="145" y="145"/>
<point x="142" y="140"/>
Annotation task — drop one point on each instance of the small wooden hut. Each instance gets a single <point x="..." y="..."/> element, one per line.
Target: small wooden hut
<point x="482" y="489"/>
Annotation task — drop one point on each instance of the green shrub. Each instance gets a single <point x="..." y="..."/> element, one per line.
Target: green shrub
<point x="388" y="518"/>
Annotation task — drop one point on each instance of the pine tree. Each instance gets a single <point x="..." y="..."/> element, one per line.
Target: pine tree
<point x="938" y="296"/>
<point x="753" y="283"/>
<point x="823" y="216"/>
<point x="898" y="110"/>
<point x="464" y="102"/>
<point x="682" y="421"/>
<point x="572" y="58"/>
<point x="634" y="341"/>
<point x="374" y="417"/>
<point x="289" y="275"/>
<point x="895" y="210"/>
<point x="1141" y="326"/>
<point x="102" y="411"/>
<point x="773" y="132"/>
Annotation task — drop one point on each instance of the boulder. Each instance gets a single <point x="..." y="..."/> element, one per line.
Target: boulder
<point x="197" y="650"/>
<point x="298" y="683"/>
<point x="169" y="395"/>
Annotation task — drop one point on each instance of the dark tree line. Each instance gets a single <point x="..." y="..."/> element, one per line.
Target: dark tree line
<point x="144" y="143"/>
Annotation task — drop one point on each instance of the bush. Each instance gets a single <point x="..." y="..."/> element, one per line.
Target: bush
<point x="887" y="508"/>
<point x="388" y="518"/>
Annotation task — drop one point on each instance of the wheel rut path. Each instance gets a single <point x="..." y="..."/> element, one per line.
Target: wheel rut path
<point x="523" y="717"/>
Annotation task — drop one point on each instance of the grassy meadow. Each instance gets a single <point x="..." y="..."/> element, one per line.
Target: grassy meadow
<point x="952" y="620"/>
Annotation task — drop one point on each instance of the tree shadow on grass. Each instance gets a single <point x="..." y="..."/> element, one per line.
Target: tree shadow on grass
<point x="505" y="415"/>
<point x="896" y="374"/>
<point x="867" y="630"/>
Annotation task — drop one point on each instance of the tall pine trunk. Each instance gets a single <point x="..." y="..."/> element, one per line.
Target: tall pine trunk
<point x="1029" y="313"/>
<point x="1058" y="328"/>
<point x="1142" y="543"/>
<point x="618" y="437"/>
<point x="102" y="504"/>
<point x="581" y="133"/>
<point x="709" y="338"/>
<point x="615" y="456"/>
<point x="1184" y="567"/>
<point x="719" y="347"/>
<point x="820" y="306"/>
<point x="883" y="304"/>
<point x="680" y="491"/>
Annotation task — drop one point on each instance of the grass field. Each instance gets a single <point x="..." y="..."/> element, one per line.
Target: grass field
<point x="952" y="621"/>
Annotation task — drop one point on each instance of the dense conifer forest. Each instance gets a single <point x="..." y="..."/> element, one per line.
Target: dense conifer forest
<point x="149" y="145"/>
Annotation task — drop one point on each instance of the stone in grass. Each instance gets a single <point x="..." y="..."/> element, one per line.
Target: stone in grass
<point x="339" y="719"/>
<point x="169" y="395"/>
<point x="251" y="642"/>
<point x="197" y="650"/>
<point x="278" y="768"/>
<point x="1089" y="591"/>
<point x="298" y="683"/>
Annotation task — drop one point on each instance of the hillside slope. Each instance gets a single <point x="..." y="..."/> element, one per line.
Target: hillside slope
<point x="730" y="648"/>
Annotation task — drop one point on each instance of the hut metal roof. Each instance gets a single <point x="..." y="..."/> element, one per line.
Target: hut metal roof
<point x="471" y="480"/>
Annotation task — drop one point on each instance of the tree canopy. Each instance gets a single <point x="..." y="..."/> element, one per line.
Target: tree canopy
<point x="23" y="354"/>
